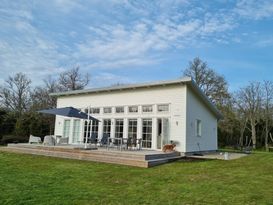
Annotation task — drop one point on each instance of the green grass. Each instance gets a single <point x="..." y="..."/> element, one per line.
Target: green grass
<point x="27" y="179"/>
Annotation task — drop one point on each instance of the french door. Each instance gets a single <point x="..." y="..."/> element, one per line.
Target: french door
<point x="66" y="128"/>
<point x="162" y="132"/>
<point x="76" y="131"/>
<point x="147" y="133"/>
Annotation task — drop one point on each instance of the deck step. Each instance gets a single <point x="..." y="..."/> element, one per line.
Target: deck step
<point x="155" y="162"/>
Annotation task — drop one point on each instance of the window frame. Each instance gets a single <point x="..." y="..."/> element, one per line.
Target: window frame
<point x="66" y="127"/>
<point x="133" y="106"/>
<point x="122" y="108"/>
<point x="111" y="110"/>
<point x="76" y="131"/>
<point x="147" y="132"/>
<point x="132" y="128"/>
<point x="143" y="106"/>
<point x="119" y="129"/>
<point x="106" y="127"/>
<point x="94" y="108"/>
<point x="163" y="111"/>
<point x="198" y="127"/>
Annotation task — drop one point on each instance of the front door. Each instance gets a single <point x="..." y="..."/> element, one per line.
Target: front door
<point x="162" y="132"/>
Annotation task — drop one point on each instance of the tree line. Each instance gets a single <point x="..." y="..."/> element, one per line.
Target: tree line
<point x="19" y="102"/>
<point x="247" y="111"/>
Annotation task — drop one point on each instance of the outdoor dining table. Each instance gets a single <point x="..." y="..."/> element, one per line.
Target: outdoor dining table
<point x="120" y="141"/>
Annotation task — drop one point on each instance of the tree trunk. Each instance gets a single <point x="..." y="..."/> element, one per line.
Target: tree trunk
<point x="253" y="133"/>
<point x="266" y="135"/>
<point x="241" y="140"/>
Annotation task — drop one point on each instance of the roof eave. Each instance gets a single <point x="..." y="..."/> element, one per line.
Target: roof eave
<point x="120" y="88"/>
<point x="207" y="101"/>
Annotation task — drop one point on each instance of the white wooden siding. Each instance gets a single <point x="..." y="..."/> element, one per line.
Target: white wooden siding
<point x="197" y="110"/>
<point x="174" y="95"/>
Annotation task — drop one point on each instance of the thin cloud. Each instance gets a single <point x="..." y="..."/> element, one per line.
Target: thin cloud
<point x="45" y="37"/>
<point x="254" y="9"/>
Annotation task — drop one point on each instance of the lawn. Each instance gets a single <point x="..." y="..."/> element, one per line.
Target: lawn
<point x="26" y="179"/>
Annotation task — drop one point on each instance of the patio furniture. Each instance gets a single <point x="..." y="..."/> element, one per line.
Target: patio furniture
<point x="93" y="139"/>
<point x="104" y="140"/>
<point x="247" y="150"/>
<point x="115" y="142"/>
<point x="34" y="139"/>
<point x="62" y="140"/>
<point x="139" y="144"/>
<point x="133" y="143"/>
<point x="49" y="140"/>
<point x="125" y="143"/>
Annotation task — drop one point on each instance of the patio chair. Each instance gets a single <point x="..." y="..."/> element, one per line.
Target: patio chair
<point x="93" y="139"/>
<point x="139" y="144"/>
<point x="132" y="143"/>
<point x="104" y="140"/>
<point x="247" y="150"/>
<point x="63" y="140"/>
<point x="125" y="143"/>
<point x="49" y="140"/>
<point x="34" y="139"/>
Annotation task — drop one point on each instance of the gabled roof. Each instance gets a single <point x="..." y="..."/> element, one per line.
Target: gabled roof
<point x="185" y="80"/>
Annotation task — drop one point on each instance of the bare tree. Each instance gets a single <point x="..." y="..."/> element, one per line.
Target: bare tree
<point x="249" y="101"/>
<point x="211" y="83"/>
<point x="241" y="124"/>
<point x="40" y="95"/>
<point x="73" y="79"/>
<point x="267" y="104"/>
<point x="15" y="94"/>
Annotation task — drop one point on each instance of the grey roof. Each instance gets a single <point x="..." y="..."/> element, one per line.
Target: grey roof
<point x="185" y="80"/>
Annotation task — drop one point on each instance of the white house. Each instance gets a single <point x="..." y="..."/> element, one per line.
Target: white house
<point x="157" y="112"/>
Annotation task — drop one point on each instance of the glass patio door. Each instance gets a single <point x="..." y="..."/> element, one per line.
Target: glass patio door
<point x="66" y="128"/>
<point x="162" y="132"/>
<point x="76" y="131"/>
<point x="147" y="133"/>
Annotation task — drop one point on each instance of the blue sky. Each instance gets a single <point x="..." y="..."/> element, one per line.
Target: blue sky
<point x="135" y="41"/>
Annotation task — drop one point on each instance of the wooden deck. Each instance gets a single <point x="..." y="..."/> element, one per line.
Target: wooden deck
<point x="139" y="158"/>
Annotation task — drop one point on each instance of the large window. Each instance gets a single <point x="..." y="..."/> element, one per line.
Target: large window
<point x="90" y="128"/>
<point x="147" y="108"/>
<point x="107" y="127"/>
<point x="66" y="128"/>
<point x="132" y="129"/>
<point x="120" y="109"/>
<point x="198" y="128"/>
<point x="133" y="109"/>
<point x="95" y="110"/>
<point x="76" y="131"/>
<point x="95" y="128"/>
<point x="107" y="110"/>
<point x="163" y="108"/>
<point x="87" y="130"/>
<point x="119" y="128"/>
<point x="147" y="133"/>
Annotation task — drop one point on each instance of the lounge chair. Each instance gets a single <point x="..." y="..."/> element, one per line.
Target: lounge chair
<point x="34" y="139"/>
<point x="247" y="150"/>
<point x="104" y="140"/>
<point x="93" y="139"/>
<point x="63" y="140"/>
<point x="49" y="140"/>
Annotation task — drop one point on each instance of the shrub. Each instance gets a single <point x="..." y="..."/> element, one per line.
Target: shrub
<point x="13" y="139"/>
<point x="7" y="122"/>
